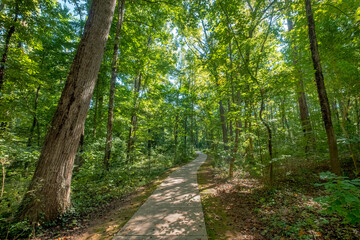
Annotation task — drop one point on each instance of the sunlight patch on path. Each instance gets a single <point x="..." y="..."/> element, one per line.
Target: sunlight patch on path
<point x="173" y="211"/>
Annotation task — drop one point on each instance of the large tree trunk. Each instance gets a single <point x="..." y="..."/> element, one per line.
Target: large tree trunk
<point x="108" y="143"/>
<point x="35" y="121"/>
<point x="9" y="34"/>
<point x="324" y="102"/>
<point x="304" y="112"/>
<point x="48" y="195"/>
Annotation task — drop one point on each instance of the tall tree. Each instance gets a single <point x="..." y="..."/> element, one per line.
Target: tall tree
<point x="9" y="34"/>
<point x="134" y="116"/>
<point x="303" y="107"/>
<point x="108" y="143"/>
<point x="48" y="195"/>
<point x="35" y="120"/>
<point x="320" y="84"/>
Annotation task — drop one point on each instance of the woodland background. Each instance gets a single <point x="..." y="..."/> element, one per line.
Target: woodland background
<point x="233" y="78"/>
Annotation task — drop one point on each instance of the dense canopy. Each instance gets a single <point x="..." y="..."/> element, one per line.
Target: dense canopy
<point x="99" y="97"/>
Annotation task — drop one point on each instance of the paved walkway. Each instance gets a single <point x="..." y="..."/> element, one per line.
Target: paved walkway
<point x="173" y="211"/>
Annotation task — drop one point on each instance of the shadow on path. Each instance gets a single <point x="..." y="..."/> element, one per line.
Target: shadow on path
<point x="173" y="211"/>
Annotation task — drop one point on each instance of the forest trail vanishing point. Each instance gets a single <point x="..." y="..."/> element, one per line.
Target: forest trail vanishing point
<point x="173" y="211"/>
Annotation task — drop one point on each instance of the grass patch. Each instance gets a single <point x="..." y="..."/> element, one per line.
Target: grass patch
<point x="216" y="221"/>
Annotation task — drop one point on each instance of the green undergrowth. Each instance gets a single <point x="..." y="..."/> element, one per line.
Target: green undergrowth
<point x="291" y="210"/>
<point x="307" y="203"/>
<point x="92" y="186"/>
<point x="302" y="203"/>
<point x="118" y="212"/>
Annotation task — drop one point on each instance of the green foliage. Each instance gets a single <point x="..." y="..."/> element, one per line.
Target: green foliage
<point x="191" y="55"/>
<point x="343" y="197"/>
<point x="18" y="230"/>
<point x="19" y="164"/>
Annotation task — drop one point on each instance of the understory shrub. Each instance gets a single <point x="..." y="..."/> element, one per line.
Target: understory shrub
<point x="343" y="197"/>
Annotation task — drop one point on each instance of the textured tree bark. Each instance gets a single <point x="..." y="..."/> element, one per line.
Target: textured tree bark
<point x="324" y="102"/>
<point x="304" y="111"/>
<point x="48" y="195"/>
<point x="35" y="121"/>
<point x="108" y="143"/>
<point x="9" y="34"/>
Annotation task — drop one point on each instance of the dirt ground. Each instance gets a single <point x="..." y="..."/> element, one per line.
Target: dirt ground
<point x="228" y="206"/>
<point x="245" y="208"/>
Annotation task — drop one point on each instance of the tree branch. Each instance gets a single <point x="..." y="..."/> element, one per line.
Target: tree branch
<point x="152" y="2"/>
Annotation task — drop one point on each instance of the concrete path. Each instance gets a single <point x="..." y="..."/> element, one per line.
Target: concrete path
<point x="173" y="211"/>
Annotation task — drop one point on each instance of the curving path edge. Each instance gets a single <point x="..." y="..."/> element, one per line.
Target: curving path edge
<point x="173" y="211"/>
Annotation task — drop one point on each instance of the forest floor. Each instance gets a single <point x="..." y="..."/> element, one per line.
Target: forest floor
<point x="245" y="208"/>
<point x="104" y="222"/>
<point x="241" y="208"/>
